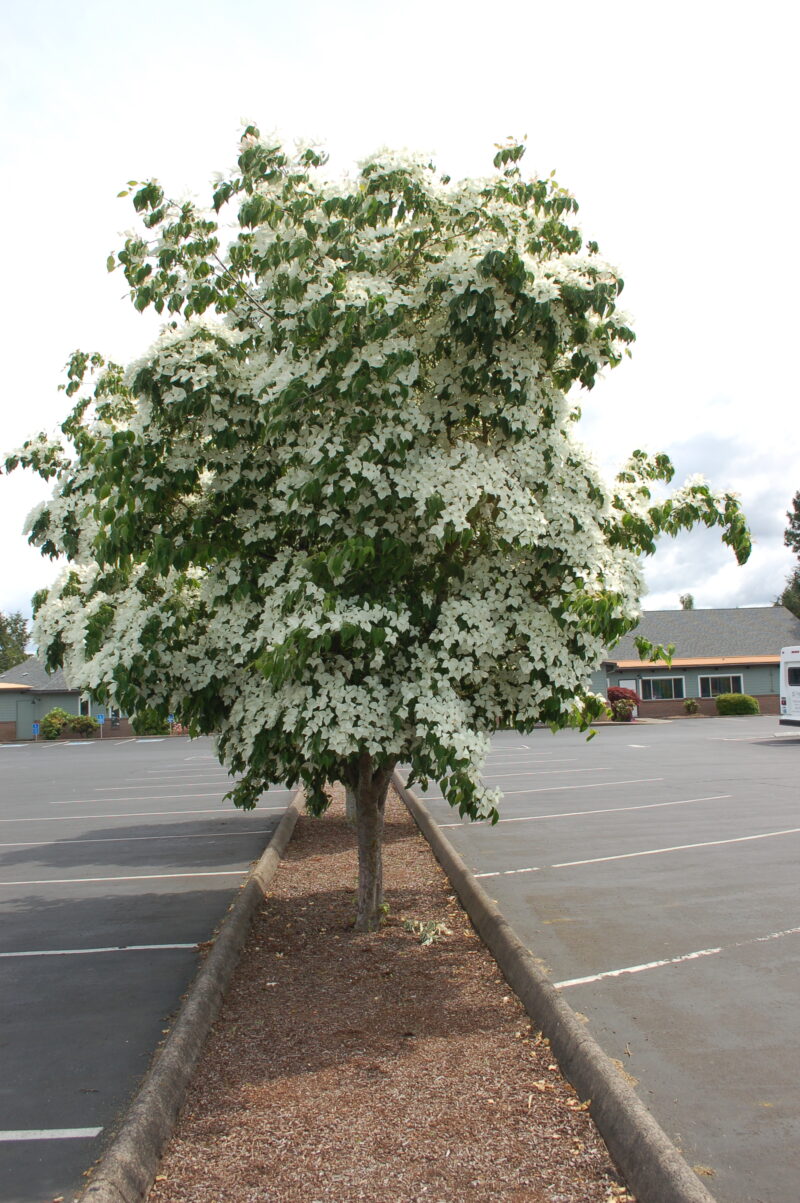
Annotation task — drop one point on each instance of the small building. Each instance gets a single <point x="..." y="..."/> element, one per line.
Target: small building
<point x="716" y="651"/>
<point x="28" y="692"/>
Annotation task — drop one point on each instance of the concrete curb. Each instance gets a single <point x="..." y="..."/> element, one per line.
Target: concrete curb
<point x="650" y="1163"/>
<point x="126" y="1171"/>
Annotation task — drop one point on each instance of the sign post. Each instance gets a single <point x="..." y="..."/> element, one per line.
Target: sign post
<point x="101" y="718"/>
<point x="35" y="732"/>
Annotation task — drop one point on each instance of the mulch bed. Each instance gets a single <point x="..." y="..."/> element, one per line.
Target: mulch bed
<point x="350" y="1067"/>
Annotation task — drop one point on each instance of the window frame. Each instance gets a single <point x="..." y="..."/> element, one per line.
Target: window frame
<point x="719" y="677"/>
<point x="649" y="681"/>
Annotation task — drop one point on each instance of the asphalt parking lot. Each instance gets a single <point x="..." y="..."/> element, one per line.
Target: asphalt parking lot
<point x="654" y="873"/>
<point x="117" y="858"/>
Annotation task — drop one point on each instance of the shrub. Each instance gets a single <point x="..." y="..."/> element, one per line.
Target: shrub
<point x="622" y="710"/>
<point x="691" y="705"/>
<point x="616" y="693"/>
<point x="149" y="722"/>
<point x="83" y="724"/>
<point x="737" y="703"/>
<point x="54" y="722"/>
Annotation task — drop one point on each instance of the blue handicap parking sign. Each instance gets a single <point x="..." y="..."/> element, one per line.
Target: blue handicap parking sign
<point x="35" y="728"/>
<point x="101" y="718"/>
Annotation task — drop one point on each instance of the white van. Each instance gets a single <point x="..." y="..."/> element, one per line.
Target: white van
<point x="790" y="686"/>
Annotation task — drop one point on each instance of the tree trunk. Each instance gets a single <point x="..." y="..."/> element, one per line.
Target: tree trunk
<point x="350" y="805"/>
<point x="370" y="795"/>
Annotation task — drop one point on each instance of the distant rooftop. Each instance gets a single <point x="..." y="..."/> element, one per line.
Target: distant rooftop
<point x="705" y="635"/>
<point x="32" y="674"/>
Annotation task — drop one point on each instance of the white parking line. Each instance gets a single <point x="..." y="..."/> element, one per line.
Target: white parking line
<point x="146" y="798"/>
<point x="555" y="789"/>
<point x="49" y="1134"/>
<point x="599" y="860"/>
<point x="689" y="956"/>
<point x="135" y="814"/>
<point x="132" y="839"/>
<point x="84" y="952"/>
<point x="605" y="810"/>
<point x="194" y="778"/>
<point x="133" y="798"/>
<point x="739" y="839"/>
<point x="533" y="759"/>
<point x="492" y="777"/>
<point x="68" y="881"/>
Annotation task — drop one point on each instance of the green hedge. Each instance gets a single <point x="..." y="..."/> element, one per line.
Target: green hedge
<point x="737" y="703"/>
<point x="149" y="722"/>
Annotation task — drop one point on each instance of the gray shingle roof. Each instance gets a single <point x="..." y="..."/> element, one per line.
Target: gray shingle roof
<point x="754" y="631"/>
<point x="32" y="672"/>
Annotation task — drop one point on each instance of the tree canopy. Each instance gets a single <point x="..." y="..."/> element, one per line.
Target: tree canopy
<point x="14" y="636"/>
<point x="790" y="597"/>
<point x="337" y="514"/>
<point x="791" y="535"/>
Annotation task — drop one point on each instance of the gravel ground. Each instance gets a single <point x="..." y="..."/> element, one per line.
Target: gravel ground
<point x="376" y="1067"/>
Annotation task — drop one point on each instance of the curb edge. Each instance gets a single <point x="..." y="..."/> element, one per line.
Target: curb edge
<point x="652" y="1166"/>
<point x="126" y="1170"/>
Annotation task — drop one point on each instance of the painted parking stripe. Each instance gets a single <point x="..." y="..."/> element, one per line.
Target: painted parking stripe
<point x="739" y="839"/>
<point x="49" y="1134"/>
<point x="135" y="798"/>
<point x="532" y="759"/>
<point x="133" y="839"/>
<point x="555" y="789"/>
<point x="600" y="768"/>
<point x="689" y="956"/>
<point x="85" y="952"/>
<point x="599" y="860"/>
<point x="119" y="789"/>
<point x="68" y="881"/>
<point x="604" y="810"/>
<point x="132" y="814"/>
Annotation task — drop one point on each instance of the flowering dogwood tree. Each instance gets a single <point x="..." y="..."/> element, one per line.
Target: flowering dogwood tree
<point x="337" y="514"/>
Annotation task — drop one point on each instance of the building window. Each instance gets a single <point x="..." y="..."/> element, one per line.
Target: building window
<point x="711" y="687"/>
<point x="661" y="689"/>
<point x="85" y="707"/>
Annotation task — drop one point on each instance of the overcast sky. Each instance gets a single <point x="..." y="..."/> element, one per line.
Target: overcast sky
<point x="675" y="126"/>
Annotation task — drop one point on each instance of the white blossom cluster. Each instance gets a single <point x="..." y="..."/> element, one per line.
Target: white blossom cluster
<point x="339" y="508"/>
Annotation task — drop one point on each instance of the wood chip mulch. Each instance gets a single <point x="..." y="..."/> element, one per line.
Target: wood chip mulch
<point x="350" y="1067"/>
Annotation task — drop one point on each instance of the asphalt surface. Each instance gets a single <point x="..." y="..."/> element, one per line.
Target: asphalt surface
<point x="654" y="873"/>
<point x="117" y="858"/>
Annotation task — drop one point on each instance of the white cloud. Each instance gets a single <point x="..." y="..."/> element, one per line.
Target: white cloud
<point x="672" y="125"/>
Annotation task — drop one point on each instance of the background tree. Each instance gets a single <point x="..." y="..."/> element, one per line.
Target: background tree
<point x="790" y="597"/>
<point x="337" y="514"/>
<point x="687" y="601"/>
<point x="791" y="535"/>
<point x="14" y="637"/>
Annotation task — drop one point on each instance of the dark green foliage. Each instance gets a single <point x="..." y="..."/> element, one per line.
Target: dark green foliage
<point x="55" y="721"/>
<point x="83" y="724"/>
<point x="13" y="637"/>
<point x="149" y="722"/>
<point x="790" y="598"/>
<point x="737" y="703"/>
<point x="791" y="536"/>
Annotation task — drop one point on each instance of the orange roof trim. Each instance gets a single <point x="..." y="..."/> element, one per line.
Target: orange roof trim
<point x="696" y="662"/>
<point x="9" y="685"/>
